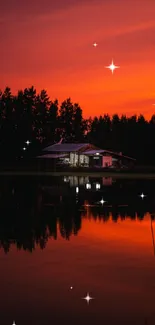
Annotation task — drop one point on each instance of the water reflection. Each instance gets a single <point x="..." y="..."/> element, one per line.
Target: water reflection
<point x="27" y="220"/>
<point x="104" y="249"/>
<point x="32" y="212"/>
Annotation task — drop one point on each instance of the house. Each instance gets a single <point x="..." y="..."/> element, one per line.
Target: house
<point x="68" y="153"/>
<point x="82" y="155"/>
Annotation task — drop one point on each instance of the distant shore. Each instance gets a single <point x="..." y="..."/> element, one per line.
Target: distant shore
<point x="127" y="175"/>
<point x="33" y="168"/>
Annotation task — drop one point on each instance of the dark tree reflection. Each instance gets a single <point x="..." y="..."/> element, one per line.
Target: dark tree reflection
<point x="27" y="221"/>
<point x="32" y="212"/>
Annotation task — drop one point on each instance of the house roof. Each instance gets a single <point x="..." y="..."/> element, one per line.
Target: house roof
<point x="75" y="147"/>
<point x="52" y="155"/>
<point x="66" y="147"/>
<point x="93" y="152"/>
<point x="117" y="154"/>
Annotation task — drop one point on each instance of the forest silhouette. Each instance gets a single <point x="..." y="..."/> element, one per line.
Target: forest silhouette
<point x="34" y="117"/>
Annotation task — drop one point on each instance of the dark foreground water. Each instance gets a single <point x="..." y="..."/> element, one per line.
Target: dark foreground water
<point x="57" y="245"/>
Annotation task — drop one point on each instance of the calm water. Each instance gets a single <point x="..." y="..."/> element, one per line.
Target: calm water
<point x="57" y="245"/>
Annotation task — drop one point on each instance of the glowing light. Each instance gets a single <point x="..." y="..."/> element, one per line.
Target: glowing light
<point x="102" y="201"/>
<point x="98" y="186"/>
<point x="27" y="142"/>
<point x="97" y="153"/>
<point x="88" y="186"/>
<point x="112" y="67"/>
<point x="24" y="148"/>
<point x="88" y="298"/>
<point x="71" y="288"/>
<point x="89" y="205"/>
<point x="77" y="189"/>
<point x="95" y="44"/>
<point x="13" y="323"/>
<point x="142" y="196"/>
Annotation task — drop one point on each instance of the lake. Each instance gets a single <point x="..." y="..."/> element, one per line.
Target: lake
<point x="62" y="238"/>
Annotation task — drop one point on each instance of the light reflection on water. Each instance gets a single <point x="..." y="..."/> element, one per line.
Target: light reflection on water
<point x="52" y="239"/>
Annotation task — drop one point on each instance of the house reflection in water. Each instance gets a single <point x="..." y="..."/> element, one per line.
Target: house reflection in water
<point x="51" y="207"/>
<point x="84" y="180"/>
<point x="107" y="181"/>
<point x="76" y="180"/>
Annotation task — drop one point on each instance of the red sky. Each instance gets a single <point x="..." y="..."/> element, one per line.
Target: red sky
<point x="48" y="44"/>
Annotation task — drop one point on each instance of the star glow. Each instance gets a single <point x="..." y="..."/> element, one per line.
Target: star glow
<point x="102" y="201"/>
<point x="88" y="298"/>
<point x="142" y="196"/>
<point x="27" y="142"/>
<point x="112" y="67"/>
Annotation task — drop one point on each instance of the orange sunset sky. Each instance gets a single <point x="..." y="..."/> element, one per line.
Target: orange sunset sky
<point x="49" y="44"/>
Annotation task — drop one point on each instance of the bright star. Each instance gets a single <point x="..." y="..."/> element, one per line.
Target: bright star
<point x="27" y="142"/>
<point x="88" y="298"/>
<point x="95" y="44"/>
<point x="142" y="196"/>
<point x="24" y="148"/>
<point x="102" y="201"/>
<point x="112" y="67"/>
<point x="71" y="288"/>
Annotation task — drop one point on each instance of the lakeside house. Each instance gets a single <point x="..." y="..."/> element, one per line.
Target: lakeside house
<point x="84" y="155"/>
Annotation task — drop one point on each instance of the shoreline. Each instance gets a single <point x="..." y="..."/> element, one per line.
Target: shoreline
<point x="129" y="174"/>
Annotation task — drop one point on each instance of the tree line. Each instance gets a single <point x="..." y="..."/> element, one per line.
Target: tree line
<point x="34" y="117"/>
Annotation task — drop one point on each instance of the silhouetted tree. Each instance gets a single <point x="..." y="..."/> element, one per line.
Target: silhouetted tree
<point x="52" y="123"/>
<point x="34" y="117"/>
<point x="79" y="126"/>
<point x="66" y="119"/>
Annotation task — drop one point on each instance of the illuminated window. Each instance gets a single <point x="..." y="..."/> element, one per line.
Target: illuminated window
<point x="88" y="186"/>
